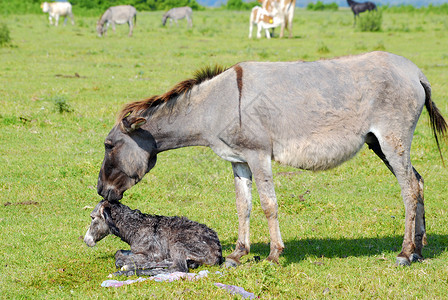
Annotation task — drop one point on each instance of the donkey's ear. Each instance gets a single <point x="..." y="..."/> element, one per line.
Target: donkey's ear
<point x="129" y="124"/>
<point x="109" y="221"/>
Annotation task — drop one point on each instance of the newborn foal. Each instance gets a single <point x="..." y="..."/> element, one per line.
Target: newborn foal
<point x="159" y="244"/>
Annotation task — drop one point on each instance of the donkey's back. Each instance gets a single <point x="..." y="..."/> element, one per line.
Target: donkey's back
<point x="120" y="14"/>
<point x="321" y="113"/>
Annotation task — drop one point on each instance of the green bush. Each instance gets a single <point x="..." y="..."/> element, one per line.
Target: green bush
<point x="319" y="5"/>
<point x="5" y="39"/>
<point x="440" y="9"/>
<point x="83" y="6"/>
<point x="61" y="104"/>
<point x="370" y="21"/>
<point x="240" y="5"/>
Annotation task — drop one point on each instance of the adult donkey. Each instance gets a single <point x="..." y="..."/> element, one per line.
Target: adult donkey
<point x="359" y="7"/>
<point x="178" y="13"/>
<point x="117" y="15"/>
<point x="310" y="115"/>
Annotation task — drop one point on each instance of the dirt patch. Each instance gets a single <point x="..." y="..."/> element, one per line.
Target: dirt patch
<point x="289" y="173"/>
<point x="70" y="76"/>
<point x="22" y="203"/>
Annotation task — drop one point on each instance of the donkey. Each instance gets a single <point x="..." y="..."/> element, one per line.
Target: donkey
<point x="309" y="115"/>
<point x="359" y="7"/>
<point x="178" y="13"/>
<point x="117" y="15"/>
<point x="159" y="244"/>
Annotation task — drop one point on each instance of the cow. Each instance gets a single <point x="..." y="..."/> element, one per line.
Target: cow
<point x="285" y="10"/>
<point x="56" y="10"/>
<point x="264" y="21"/>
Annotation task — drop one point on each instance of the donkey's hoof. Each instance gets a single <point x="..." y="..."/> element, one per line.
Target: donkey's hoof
<point x="230" y="263"/>
<point x="403" y="261"/>
<point x="416" y="258"/>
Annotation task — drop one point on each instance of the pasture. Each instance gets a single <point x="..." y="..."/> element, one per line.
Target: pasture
<point x="59" y="94"/>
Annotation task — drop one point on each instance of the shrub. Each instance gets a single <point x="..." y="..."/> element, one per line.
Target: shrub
<point x="319" y="5"/>
<point x="240" y="5"/>
<point x="61" y="104"/>
<point x="5" y="39"/>
<point x="323" y="49"/>
<point x="370" y="21"/>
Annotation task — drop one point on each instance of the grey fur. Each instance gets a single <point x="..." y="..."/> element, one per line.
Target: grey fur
<point x="117" y="15"/>
<point x="310" y="115"/>
<point x="159" y="244"/>
<point x="179" y="13"/>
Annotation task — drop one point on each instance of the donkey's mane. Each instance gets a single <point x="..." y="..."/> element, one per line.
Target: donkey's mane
<point x="139" y="107"/>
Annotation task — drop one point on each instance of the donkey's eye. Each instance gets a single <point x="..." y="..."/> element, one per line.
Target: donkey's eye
<point x="108" y="146"/>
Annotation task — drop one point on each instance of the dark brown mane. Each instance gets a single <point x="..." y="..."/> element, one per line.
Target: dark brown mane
<point x="182" y="87"/>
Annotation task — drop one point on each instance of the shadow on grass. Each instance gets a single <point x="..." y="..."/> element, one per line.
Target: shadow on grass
<point x="298" y="250"/>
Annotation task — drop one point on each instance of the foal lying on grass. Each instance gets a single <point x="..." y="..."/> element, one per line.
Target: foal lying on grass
<point x="159" y="244"/>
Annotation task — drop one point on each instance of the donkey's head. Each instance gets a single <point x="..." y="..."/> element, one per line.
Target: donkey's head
<point x="164" y="18"/>
<point x="100" y="28"/>
<point x="101" y="224"/>
<point x="130" y="153"/>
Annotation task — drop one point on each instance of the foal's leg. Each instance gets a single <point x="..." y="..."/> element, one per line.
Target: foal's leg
<point x="243" y="190"/>
<point x="126" y="260"/>
<point x="395" y="152"/>
<point x="260" y="165"/>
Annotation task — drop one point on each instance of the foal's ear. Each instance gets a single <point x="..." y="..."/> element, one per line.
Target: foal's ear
<point x="109" y="221"/>
<point x="129" y="124"/>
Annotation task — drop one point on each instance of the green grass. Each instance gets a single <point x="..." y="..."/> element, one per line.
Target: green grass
<point x="341" y="241"/>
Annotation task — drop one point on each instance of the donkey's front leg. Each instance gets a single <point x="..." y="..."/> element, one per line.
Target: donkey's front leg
<point x="131" y="27"/>
<point x="243" y="190"/>
<point x="262" y="170"/>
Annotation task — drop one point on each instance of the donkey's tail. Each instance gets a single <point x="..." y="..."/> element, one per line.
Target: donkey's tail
<point x="135" y="19"/>
<point x="438" y="123"/>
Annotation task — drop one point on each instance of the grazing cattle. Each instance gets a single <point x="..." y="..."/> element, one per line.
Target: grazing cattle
<point x="179" y="13"/>
<point x="159" y="244"/>
<point x="117" y="15"/>
<point x="359" y="7"/>
<point x="264" y="21"/>
<point x="56" y="10"/>
<point x="309" y="115"/>
<point x="285" y="9"/>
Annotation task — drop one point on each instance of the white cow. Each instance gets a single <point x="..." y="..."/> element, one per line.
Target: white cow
<point x="56" y="10"/>
<point x="264" y="20"/>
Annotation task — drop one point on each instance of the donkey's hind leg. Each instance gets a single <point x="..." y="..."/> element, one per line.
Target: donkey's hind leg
<point x="395" y="153"/>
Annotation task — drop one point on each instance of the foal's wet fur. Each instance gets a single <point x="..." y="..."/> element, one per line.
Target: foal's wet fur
<point x="159" y="244"/>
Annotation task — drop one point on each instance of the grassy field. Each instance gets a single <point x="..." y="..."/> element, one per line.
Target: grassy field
<point x="60" y="89"/>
